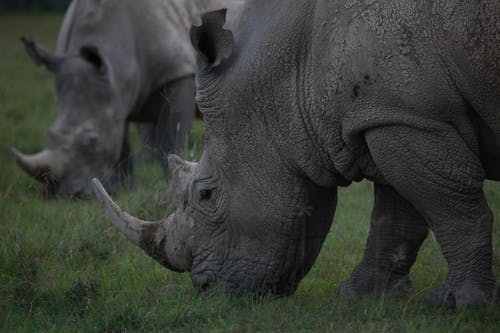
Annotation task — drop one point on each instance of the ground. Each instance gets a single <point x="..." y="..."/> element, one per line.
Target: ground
<point x="63" y="266"/>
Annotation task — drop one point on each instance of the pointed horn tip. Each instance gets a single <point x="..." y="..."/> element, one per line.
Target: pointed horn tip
<point x="111" y="209"/>
<point x="174" y="163"/>
<point x="124" y="222"/>
<point x="171" y="159"/>
<point x="16" y="153"/>
<point x="97" y="183"/>
<point x="100" y="191"/>
<point x="21" y="160"/>
<point x="27" y="41"/>
<point x="13" y="150"/>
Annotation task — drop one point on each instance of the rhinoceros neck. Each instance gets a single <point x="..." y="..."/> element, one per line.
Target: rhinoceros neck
<point x="273" y="55"/>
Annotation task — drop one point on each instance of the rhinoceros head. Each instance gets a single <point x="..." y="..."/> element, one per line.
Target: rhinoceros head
<point x="86" y="137"/>
<point x="246" y="220"/>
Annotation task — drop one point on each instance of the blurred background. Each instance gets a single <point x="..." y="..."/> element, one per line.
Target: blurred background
<point x="33" y="6"/>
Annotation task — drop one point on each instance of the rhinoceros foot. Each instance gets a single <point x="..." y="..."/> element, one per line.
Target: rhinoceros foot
<point x="466" y="295"/>
<point x="441" y="296"/>
<point x="374" y="285"/>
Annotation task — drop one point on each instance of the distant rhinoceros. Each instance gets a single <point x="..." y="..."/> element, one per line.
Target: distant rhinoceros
<point x="117" y="61"/>
<point x="311" y="95"/>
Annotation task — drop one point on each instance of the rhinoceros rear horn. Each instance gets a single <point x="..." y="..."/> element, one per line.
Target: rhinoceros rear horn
<point x="40" y="165"/>
<point x="181" y="172"/>
<point x="175" y="163"/>
<point x="212" y="42"/>
<point x="40" y="55"/>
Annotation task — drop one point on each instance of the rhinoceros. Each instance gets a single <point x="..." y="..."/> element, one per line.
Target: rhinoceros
<point x="117" y="61"/>
<point x="302" y="97"/>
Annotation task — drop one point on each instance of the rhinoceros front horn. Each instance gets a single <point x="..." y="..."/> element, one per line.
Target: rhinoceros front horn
<point x="40" y="166"/>
<point x="129" y="225"/>
<point x="161" y="240"/>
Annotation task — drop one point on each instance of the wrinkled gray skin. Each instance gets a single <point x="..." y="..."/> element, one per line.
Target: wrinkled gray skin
<point x="117" y="61"/>
<point x="313" y="95"/>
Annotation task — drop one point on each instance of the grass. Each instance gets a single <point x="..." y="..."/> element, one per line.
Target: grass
<point x="63" y="267"/>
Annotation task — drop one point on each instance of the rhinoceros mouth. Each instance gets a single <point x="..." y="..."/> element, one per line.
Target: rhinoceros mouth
<point x="247" y="281"/>
<point x="257" y="289"/>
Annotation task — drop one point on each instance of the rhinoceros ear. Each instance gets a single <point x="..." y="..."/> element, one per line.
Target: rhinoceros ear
<point x="91" y="54"/>
<point x="210" y="40"/>
<point x="40" y="55"/>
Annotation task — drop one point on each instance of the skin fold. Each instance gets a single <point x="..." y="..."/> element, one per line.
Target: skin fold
<point x="301" y="97"/>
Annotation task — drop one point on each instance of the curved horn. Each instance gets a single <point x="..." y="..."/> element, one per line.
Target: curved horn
<point x="161" y="240"/>
<point x="40" y="165"/>
<point x="129" y="225"/>
<point x="40" y="55"/>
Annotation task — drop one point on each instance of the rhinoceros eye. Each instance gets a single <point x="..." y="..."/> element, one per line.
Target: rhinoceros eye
<point x="205" y="194"/>
<point x="205" y="190"/>
<point x="208" y="200"/>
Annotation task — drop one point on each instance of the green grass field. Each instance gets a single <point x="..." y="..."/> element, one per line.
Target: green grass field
<point x="64" y="268"/>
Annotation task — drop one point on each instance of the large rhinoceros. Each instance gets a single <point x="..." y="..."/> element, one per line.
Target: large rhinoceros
<point x="117" y="61"/>
<point x="311" y="95"/>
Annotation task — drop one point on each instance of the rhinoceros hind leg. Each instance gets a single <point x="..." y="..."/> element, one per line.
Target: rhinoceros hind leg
<point x="442" y="177"/>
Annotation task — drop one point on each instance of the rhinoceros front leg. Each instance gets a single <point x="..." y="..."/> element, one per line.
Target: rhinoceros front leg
<point x="174" y="122"/>
<point x="442" y="177"/>
<point x="124" y="167"/>
<point x="147" y="135"/>
<point x="396" y="232"/>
